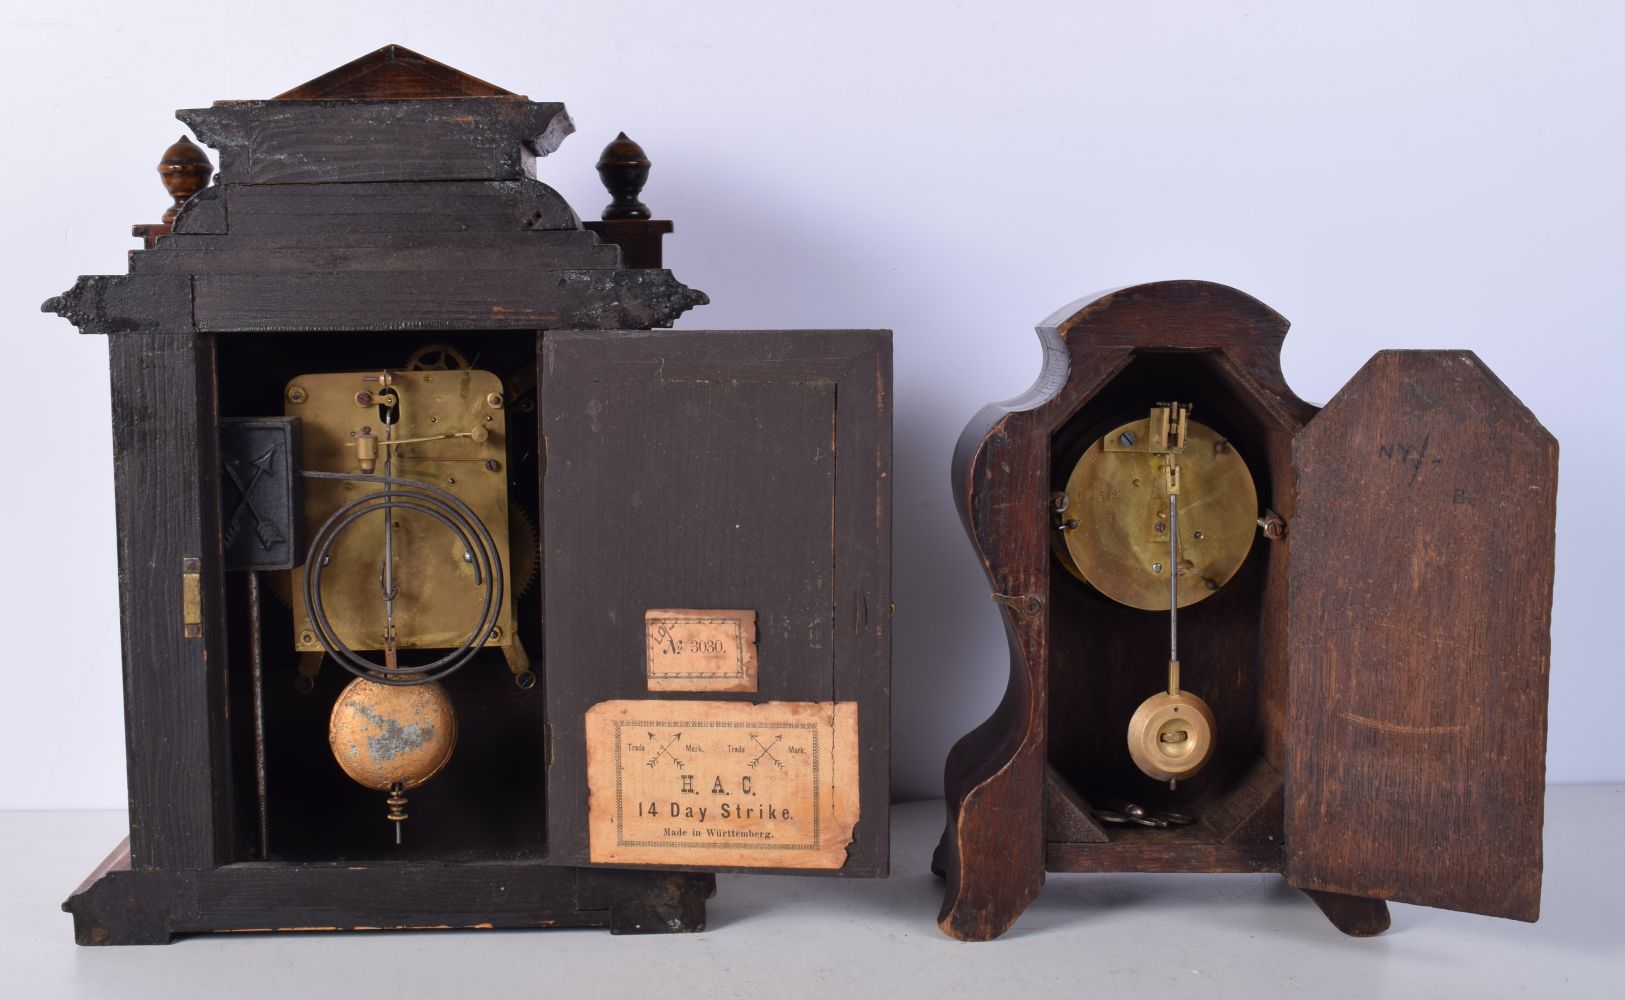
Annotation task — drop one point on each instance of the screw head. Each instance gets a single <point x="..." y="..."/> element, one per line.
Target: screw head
<point x="1161" y="527"/>
<point x="363" y="398"/>
<point x="492" y="465"/>
<point x="494" y="400"/>
<point x="1156" y="567"/>
<point x="1126" y="439"/>
<point x="297" y="394"/>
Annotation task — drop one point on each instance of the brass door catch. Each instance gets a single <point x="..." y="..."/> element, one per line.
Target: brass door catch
<point x="1025" y="605"/>
<point x="192" y="597"/>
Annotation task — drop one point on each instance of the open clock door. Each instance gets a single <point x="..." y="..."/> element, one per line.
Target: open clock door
<point x="716" y="524"/>
<point x="1419" y="624"/>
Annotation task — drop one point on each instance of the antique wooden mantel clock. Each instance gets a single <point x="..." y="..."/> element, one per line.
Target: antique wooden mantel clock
<point x="383" y="406"/>
<point x="1250" y="636"/>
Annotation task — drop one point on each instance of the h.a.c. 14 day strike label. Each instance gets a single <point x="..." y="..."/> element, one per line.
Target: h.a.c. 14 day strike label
<point x="722" y="783"/>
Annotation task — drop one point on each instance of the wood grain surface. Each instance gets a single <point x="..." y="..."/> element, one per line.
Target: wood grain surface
<point x="166" y="488"/>
<point x="1420" y="637"/>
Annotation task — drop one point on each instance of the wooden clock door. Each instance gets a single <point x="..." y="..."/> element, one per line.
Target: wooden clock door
<point x="717" y="625"/>
<point x="1421" y="581"/>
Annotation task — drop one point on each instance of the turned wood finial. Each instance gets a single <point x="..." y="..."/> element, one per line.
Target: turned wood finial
<point x="624" y="169"/>
<point x="185" y="171"/>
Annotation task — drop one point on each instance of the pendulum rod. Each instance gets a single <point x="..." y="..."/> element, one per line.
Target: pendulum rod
<point x="397" y="800"/>
<point x="1173" y="577"/>
<point x="391" y="658"/>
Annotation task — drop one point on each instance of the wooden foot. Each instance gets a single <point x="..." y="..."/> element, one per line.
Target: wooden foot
<point x="104" y="913"/>
<point x="1355" y="916"/>
<point x="994" y="868"/>
<point x="673" y="905"/>
<point x="992" y="853"/>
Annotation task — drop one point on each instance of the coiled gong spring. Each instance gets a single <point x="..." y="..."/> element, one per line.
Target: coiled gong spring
<point x="479" y="549"/>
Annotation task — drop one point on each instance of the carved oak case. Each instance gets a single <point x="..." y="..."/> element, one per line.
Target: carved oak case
<point x="1377" y="667"/>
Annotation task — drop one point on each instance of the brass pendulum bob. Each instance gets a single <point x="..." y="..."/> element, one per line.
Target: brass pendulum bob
<point x="1170" y="735"/>
<point x="392" y="737"/>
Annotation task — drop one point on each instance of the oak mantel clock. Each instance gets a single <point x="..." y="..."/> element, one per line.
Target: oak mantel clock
<point x="383" y="406"/>
<point x="1248" y="635"/>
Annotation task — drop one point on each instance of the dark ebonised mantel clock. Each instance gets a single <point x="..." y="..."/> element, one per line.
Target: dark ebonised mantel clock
<point x="1250" y="635"/>
<point x="383" y="406"/>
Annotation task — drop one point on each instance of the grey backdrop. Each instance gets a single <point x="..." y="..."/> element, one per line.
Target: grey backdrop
<point x="1384" y="174"/>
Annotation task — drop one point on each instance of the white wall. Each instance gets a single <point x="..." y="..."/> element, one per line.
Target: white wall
<point x="1384" y="174"/>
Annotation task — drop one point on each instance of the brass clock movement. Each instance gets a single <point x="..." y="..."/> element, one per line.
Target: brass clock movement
<point x="1118" y="528"/>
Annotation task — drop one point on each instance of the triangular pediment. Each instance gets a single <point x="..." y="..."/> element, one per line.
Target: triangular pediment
<point x="393" y="73"/>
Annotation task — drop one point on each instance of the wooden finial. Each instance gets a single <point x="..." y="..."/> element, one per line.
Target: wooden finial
<point x="624" y="169"/>
<point x="185" y="171"/>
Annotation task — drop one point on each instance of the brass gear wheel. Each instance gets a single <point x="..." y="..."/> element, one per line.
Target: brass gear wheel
<point x="438" y="358"/>
<point x="524" y="549"/>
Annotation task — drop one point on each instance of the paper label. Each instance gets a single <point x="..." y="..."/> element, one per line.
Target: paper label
<point x="721" y="783"/>
<point x="701" y="650"/>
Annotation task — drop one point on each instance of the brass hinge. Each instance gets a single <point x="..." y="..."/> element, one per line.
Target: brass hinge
<point x="192" y="597"/>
